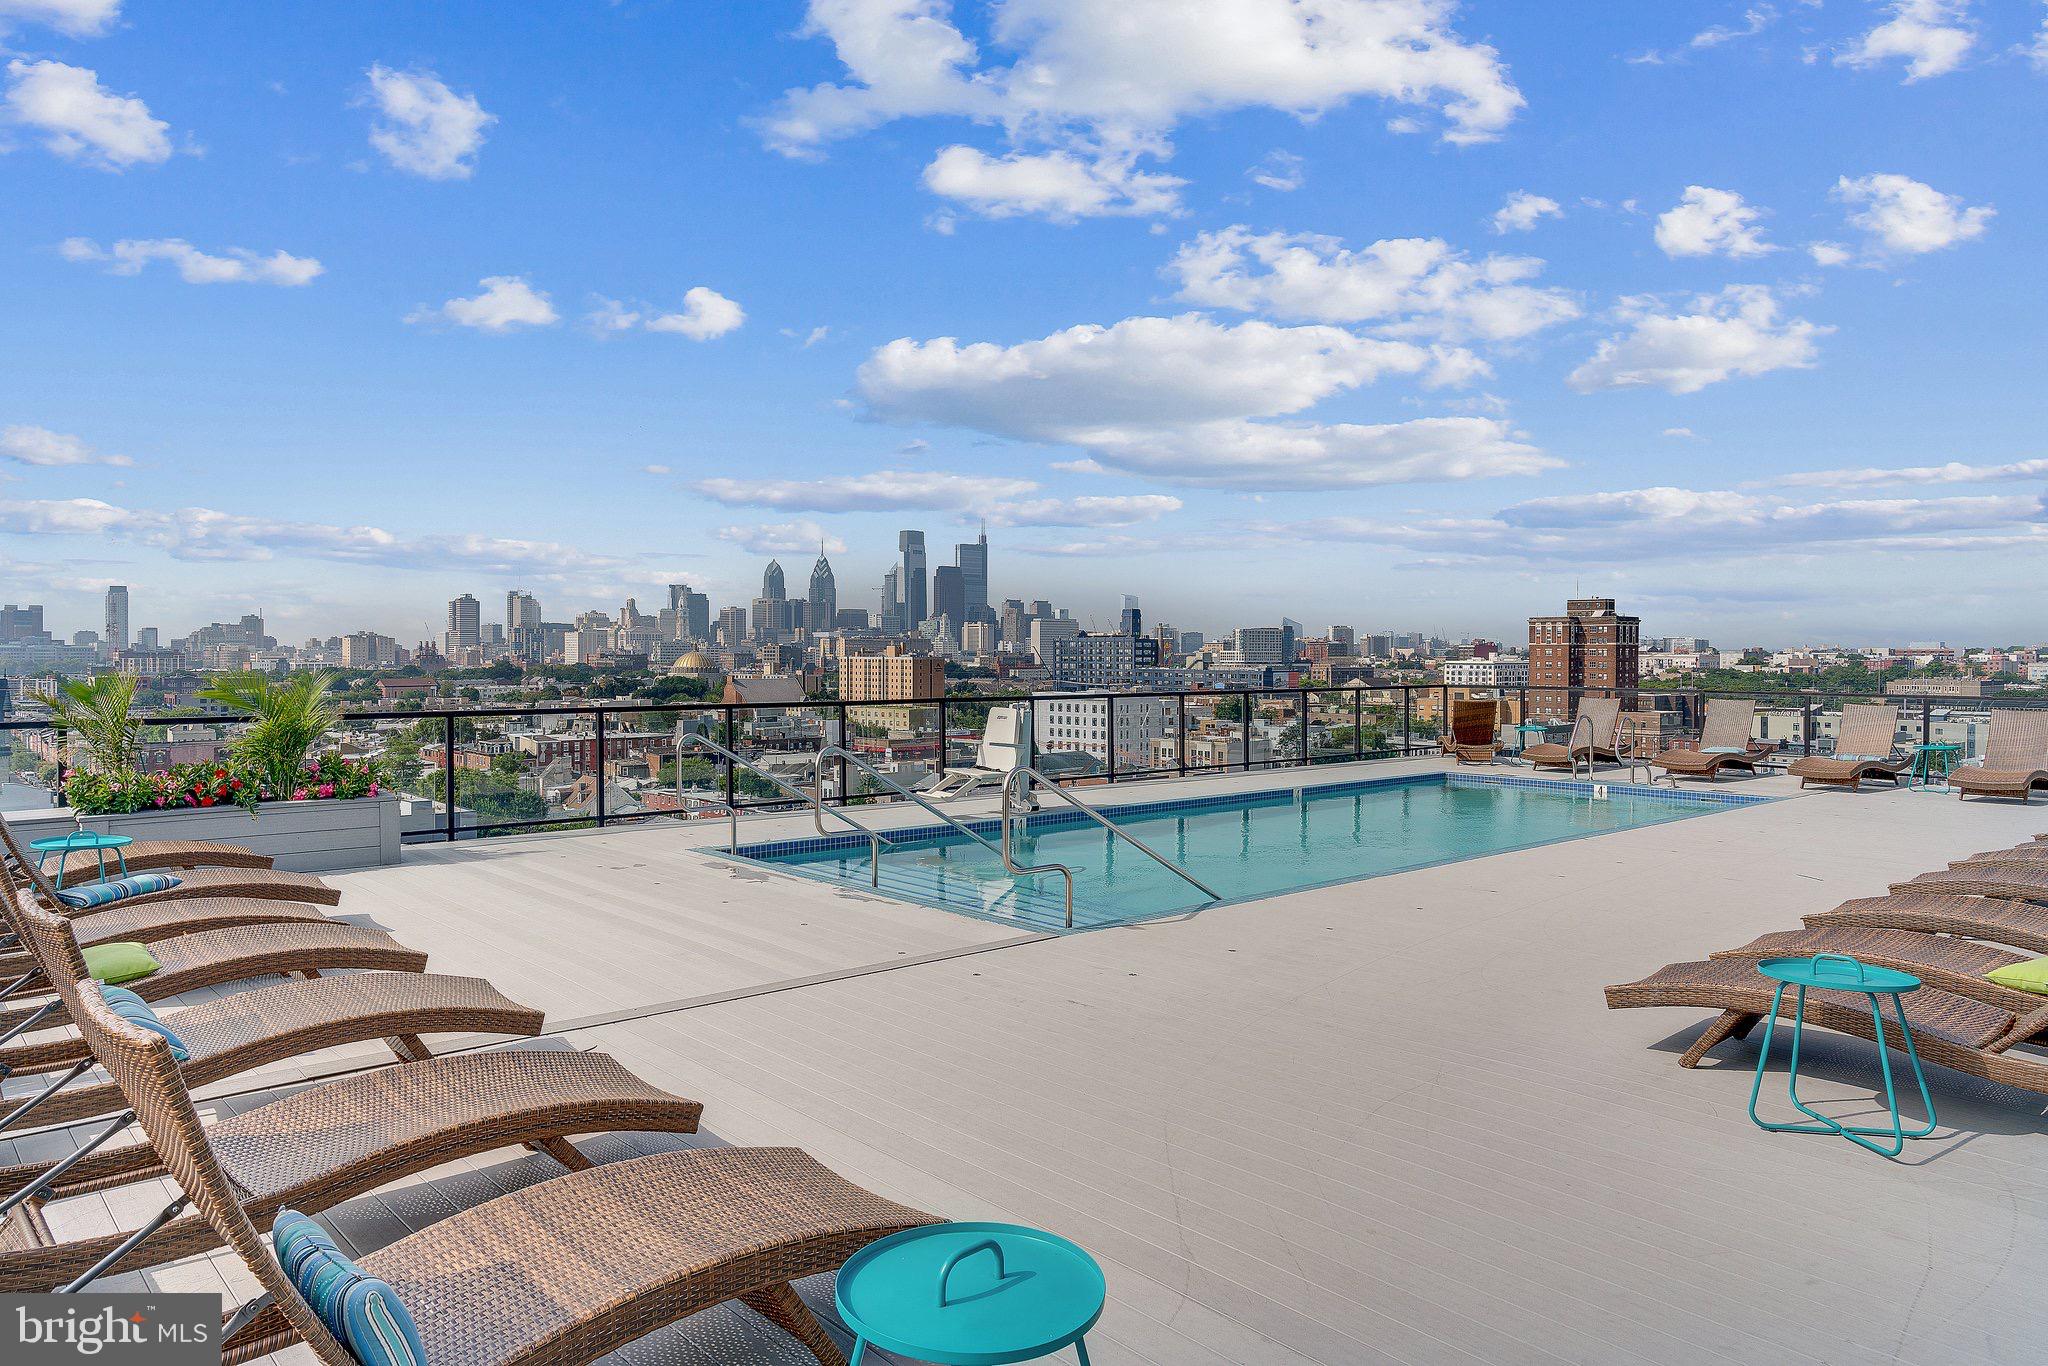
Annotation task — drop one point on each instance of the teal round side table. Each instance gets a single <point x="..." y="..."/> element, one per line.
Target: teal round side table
<point x="1839" y="972"/>
<point x="82" y="840"/>
<point x="970" y="1295"/>
<point x="1925" y="758"/>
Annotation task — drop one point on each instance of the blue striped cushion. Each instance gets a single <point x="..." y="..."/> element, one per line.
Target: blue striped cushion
<point x="119" y="889"/>
<point x="137" y="1011"/>
<point x="362" y="1312"/>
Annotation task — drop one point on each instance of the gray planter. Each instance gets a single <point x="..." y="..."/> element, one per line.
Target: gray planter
<point x="304" y="837"/>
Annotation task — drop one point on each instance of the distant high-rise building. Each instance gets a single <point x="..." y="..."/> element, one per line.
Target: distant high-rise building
<point x="1014" y="624"/>
<point x="149" y="638"/>
<point x="465" y="624"/>
<point x="1047" y="633"/>
<point x="1191" y="641"/>
<point x="911" y="582"/>
<point x="772" y="587"/>
<point x="893" y="675"/>
<point x="693" y="613"/>
<point x="823" y="613"/>
<point x="1041" y="610"/>
<point x="116" y="634"/>
<point x="1290" y="639"/>
<point x="949" y="595"/>
<point x="521" y="610"/>
<point x="1591" y="649"/>
<point x="1343" y="642"/>
<point x="972" y="559"/>
<point x="1132" y="621"/>
<point x="892" y="601"/>
<point x="732" y="627"/>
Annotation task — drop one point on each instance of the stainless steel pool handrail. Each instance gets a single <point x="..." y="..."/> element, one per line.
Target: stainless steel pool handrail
<point x="845" y="755"/>
<point x="1022" y="778"/>
<point x="813" y="799"/>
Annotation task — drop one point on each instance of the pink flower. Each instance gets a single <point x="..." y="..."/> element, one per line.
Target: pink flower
<point x="299" y="795"/>
<point x="373" y="789"/>
<point x="327" y="789"/>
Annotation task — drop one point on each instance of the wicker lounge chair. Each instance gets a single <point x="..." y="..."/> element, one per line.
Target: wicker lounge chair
<point x="2031" y="854"/>
<point x="168" y="920"/>
<point x="560" y="1272"/>
<point x="2001" y="881"/>
<point x="1471" y="739"/>
<point x="1954" y="1031"/>
<point x="146" y="855"/>
<point x="1724" y="742"/>
<point x="198" y="882"/>
<point x="251" y="1028"/>
<point x="1863" y="749"/>
<point x="2017" y="923"/>
<point x="331" y="1142"/>
<point x="2015" y="758"/>
<point x="1591" y="738"/>
<point x="1938" y="960"/>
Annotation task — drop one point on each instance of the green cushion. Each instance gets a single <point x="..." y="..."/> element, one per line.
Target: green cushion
<point x="121" y="962"/>
<point x="2031" y="975"/>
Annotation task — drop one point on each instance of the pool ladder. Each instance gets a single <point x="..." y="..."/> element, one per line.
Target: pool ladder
<point x="1019" y="784"/>
<point x="813" y="799"/>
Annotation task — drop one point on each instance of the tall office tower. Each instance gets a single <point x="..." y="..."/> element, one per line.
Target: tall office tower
<point x="252" y="630"/>
<point x="1343" y="642"/>
<point x="1290" y="640"/>
<point x="1041" y="610"/>
<point x="732" y="627"/>
<point x="521" y="610"/>
<point x="677" y="592"/>
<point x="911" y="583"/>
<point x="22" y="623"/>
<point x="949" y="595"/>
<point x="1132" y="622"/>
<point x="697" y="616"/>
<point x="771" y="582"/>
<point x="149" y="638"/>
<point x="972" y="558"/>
<point x="1590" y="647"/>
<point x="892" y="601"/>
<point x="1014" y="625"/>
<point x="116" y="634"/>
<point x="1191" y="642"/>
<point x="823" y="613"/>
<point x="465" y="624"/>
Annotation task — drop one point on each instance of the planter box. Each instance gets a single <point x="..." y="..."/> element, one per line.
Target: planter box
<point x="304" y="837"/>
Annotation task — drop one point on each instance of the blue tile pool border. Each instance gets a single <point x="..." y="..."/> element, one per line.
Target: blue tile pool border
<point x="990" y="827"/>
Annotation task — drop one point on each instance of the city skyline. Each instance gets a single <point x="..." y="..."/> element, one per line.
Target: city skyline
<point x="1714" y="308"/>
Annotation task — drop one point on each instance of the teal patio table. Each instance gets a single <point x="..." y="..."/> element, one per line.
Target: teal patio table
<point x="1924" y="759"/>
<point x="970" y="1295"/>
<point x="1527" y="729"/>
<point x="87" y="840"/>
<point x="1839" y="972"/>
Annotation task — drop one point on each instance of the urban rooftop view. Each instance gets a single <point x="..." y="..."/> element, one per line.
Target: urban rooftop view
<point x="976" y="681"/>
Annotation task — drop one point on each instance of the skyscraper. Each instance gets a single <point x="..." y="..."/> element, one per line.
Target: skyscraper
<point x="116" y="634"/>
<point x="1590" y="647"/>
<point x="972" y="557"/>
<point x="465" y="624"/>
<point x="824" y="599"/>
<point x="1132" y="622"/>
<point x="522" y="609"/>
<point x="949" y="595"/>
<point x="892" y="601"/>
<point x="772" y="587"/>
<point x="911" y="582"/>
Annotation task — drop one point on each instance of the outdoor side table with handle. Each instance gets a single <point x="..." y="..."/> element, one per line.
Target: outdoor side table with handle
<point x="1926" y="758"/>
<point x="970" y="1294"/>
<point x="1839" y="972"/>
<point x="86" y="841"/>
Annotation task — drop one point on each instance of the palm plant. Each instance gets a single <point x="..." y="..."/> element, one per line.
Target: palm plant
<point x="99" y="714"/>
<point x="290" y="718"/>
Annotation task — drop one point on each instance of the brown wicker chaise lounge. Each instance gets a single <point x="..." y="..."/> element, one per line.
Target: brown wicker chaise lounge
<point x="1954" y="965"/>
<point x="1591" y="738"/>
<point x="197" y="882"/>
<point x="167" y="920"/>
<point x="1724" y="742"/>
<point x="1863" y="749"/>
<point x="2017" y="923"/>
<point x="252" y="1028"/>
<point x="2000" y="881"/>
<point x="563" y="1271"/>
<point x="1957" y="1032"/>
<point x="149" y="855"/>
<point x="2015" y="758"/>
<point x="1471" y="738"/>
<point x="335" y="1140"/>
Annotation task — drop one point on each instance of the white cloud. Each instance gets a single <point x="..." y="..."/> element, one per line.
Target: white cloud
<point x="657" y="470"/>
<point x="240" y="266"/>
<point x="1278" y="170"/>
<point x="78" y="18"/>
<point x="1090" y="79"/>
<point x="41" y="446"/>
<point x="507" y="302"/>
<point x="1085" y="465"/>
<point x="1682" y="434"/>
<point x="1930" y="36"/>
<point x="1907" y="216"/>
<point x="782" y="538"/>
<point x="1090" y="510"/>
<point x="423" y="127"/>
<point x="1181" y="399"/>
<point x="2037" y="52"/>
<point x="880" y="491"/>
<point x="1755" y="20"/>
<point x="1709" y="222"/>
<point x="705" y="314"/>
<point x="1411" y="285"/>
<point x="1828" y="253"/>
<point x="1523" y="211"/>
<point x="1058" y="185"/>
<point x="1737" y="332"/>
<point x="82" y="120"/>
<point x="1954" y="472"/>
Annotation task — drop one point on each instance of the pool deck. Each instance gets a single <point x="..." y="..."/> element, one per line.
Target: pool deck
<point x="1387" y="1121"/>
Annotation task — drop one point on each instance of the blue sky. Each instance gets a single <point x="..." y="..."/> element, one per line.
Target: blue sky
<point x="1396" y="313"/>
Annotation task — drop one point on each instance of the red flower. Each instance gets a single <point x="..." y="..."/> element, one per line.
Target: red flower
<point x="236" y="785"/>
<point x="220" y="773"/>
<point x="206" y="801"/>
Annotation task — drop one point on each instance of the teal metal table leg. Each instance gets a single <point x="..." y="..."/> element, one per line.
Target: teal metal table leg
<point x="860" y="1349"/>
<point x="1081" y="1350"/>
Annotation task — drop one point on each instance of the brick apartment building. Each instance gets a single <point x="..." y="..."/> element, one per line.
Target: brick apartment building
<point x="1590" y="647"/>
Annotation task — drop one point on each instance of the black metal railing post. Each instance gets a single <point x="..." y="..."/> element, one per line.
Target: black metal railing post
<point x="1358" y="723"/>
<point x="59" y="795"/>
<point x="448" y="776"/>
<point x="1805" y="723"/>
<point x="1244" y="728"/>
<point x="731" y="772"/>
<point x="1926" y="720"/>
<point x="1302" y="749"/>
<point x="1109" y="733"/>
<point x="600" y="768"/>
<point x="1180" y="733"/>
<point x="845" y="741"/>
<point x="1407" y="720"/>
<point x="942" y="737"/>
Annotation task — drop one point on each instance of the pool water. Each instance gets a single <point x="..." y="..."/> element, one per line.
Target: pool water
<point x="1245" y="845"/>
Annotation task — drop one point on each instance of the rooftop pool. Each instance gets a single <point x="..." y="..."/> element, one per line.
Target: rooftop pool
<point x="1246" y="845"/>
